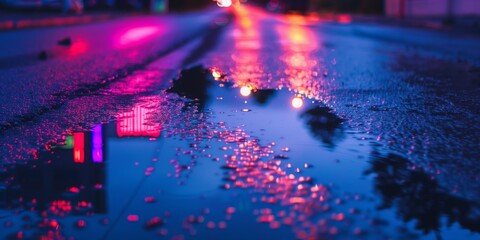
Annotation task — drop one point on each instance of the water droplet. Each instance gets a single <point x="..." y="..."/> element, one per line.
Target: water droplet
<point x="81" y="224"/>
<point x="274" y="225"/>
<point x="132" y="218"/>
<point x="222" y="225"/>
<point x="153" y="223"/>
<point x="163" y="232"/>
<point x="230" y="210"/>
<point x="211" y="225"/>
<point x="8" y="224"/>
<point x="150" y="199"/>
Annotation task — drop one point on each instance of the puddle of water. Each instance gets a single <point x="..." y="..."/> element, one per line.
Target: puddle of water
<point x="229" y="161"/>
<point x="101" y="180"/>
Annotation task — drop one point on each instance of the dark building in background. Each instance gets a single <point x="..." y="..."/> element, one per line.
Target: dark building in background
<point x="348" y="6"/>
<point x="83" y="5"/>
<point x="185" y="5"/>
<point x="326" y="6"/>
<point x="432" y="8"/>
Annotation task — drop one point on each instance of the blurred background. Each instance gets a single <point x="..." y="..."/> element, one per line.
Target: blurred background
<point x="392" y="8"/>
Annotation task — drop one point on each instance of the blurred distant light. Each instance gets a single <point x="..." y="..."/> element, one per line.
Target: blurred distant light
<point x="297" y="102"/>
<point x="159" y="6"/>
<point x="224" y="3"/>
<point x="344" y="19"/>
<point x="245" y="91"/>
<point x="216" y="74"/>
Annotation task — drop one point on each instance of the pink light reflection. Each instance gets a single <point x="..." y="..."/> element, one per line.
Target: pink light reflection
<point x="138" y="34"/>
<point x="344" y="19"/>
<point x="135" y="123"/>
<point x="247" y="45"/>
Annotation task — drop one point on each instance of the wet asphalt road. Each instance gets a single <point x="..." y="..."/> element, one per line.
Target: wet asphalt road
<point x="278" y="127"/>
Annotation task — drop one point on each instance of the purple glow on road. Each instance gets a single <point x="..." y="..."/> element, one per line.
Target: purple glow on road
<point x="97" y="142"/>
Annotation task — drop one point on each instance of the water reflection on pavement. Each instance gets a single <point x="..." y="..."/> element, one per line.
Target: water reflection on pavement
<point x="207" y="167"/>
<point x="144" y="170"/>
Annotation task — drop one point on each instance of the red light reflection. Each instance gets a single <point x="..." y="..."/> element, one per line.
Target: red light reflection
<point x="79" y="147"/>
<point x="59" y="207"/>
<point x="77" y="48"/>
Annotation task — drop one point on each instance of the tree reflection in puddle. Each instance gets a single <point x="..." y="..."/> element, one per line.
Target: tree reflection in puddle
<point x="193" y="84"/>
<point x="417" y="196"/>
<point x="324" y="125"/>
<point x="262" y="96"/>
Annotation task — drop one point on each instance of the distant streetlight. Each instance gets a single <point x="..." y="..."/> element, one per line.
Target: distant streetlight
<point x="224" y="3"/>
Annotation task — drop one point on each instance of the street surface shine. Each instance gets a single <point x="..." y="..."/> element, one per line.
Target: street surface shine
<point x="278" y="127"/>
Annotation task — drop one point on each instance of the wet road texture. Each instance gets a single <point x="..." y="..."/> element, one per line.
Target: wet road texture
<point x="239" y="124"/>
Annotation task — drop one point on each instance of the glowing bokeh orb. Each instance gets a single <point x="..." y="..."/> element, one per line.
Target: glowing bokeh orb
<point x="245" y="91"/>
<point x="297" y="102"/>
<point x="216" y="75"/>
<point x="224" y="3"/>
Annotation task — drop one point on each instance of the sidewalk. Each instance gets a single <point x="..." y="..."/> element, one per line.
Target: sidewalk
<point x="20" y="20"/>
<point x="461" y="25"/>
